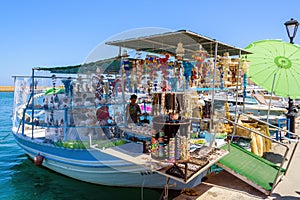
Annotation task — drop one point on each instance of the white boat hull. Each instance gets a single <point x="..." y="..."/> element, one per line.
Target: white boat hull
<point x="111" y="172"/>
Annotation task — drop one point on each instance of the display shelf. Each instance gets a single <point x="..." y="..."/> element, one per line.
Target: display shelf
<point x="138" y="134"/>
<point x="189" y="173"/>
<point x="173" y="123"/>
<point x="190" y="170"/>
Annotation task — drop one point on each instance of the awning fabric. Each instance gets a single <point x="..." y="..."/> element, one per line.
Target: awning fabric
<point x="167" y="42"/>
<point x="158" y="43"/>
<point x="112" y="65"/>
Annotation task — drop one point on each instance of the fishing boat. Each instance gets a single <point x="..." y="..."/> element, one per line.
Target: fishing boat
<point x="55" y="114"/>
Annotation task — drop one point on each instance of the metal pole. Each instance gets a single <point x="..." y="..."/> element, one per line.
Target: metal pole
<point x="237" y="94"/>
<point x="31" y="87"/>
<point x="124" y="104"/>
<point x="291" y="109"/>
<point x="213" y="89"/>
<point x="65" y="123"/>
<point x="237" y="86"/>
<point x="244" y="91"/>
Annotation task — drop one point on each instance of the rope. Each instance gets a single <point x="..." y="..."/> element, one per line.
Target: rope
<point x="164" y="195"/>
<point x="4" y="137"/>
<point x="142" y="190"/>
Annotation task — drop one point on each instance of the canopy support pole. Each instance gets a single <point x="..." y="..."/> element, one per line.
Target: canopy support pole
<point x="31" y="87"/>
<point x="213" y="91"/>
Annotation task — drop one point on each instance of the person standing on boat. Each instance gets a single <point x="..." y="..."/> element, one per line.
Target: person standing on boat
<point x="133" y="110"/>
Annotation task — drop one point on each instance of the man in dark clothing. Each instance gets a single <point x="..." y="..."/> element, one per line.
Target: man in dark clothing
<point x="133" y="110"/>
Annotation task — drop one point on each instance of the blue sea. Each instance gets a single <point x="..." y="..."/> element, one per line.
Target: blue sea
<point x="20" y="179"/>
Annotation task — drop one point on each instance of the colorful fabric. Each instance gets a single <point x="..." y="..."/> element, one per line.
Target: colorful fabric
<point x="102" y="114"/>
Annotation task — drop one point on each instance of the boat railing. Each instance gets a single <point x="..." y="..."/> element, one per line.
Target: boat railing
<point x="278" y="128"/>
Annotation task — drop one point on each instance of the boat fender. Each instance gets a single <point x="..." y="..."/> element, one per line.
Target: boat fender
<point x="38" y="159"/>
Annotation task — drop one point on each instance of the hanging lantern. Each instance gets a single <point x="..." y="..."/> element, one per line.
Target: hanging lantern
<point x="98" y="70"/>
<point x="245" y="65"/>
<point x="203" y="52"/>
<point x="199" y="55"/>
<point x="226" y="60"/>
<point x="124" y="54"/>
<point x="179" y="51"/>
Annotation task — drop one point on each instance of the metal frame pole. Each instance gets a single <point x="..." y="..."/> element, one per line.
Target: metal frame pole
<point x="213" y="89"/>
<point x="32" y="109"/>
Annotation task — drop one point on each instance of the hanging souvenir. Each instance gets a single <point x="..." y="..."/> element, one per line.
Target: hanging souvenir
<point x="170" y="70"/>
<point x="226" y="60"/>
<point x="67" y="85"/>
<point x="187" y="72"/>
<point x="221" y="71"/>
<point x="207" y="71"/>
<point x="126" y="68"/>
<point x="193" y="76"/>
<point x="139" y="73"/>
<point x="100" y="88"/>
<point x="173" y="81"/>
<point x="179" y="51"/>
<point x="79" y="84"/>
<point x="199" y="55"/>
<point x="244" y="66"/>
<point x="115" y="87"/>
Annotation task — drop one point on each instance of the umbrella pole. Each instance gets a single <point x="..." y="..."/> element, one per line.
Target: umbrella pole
<point x="271" y="96"/>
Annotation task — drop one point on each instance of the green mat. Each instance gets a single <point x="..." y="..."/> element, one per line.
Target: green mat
<point x="251" y="166"/>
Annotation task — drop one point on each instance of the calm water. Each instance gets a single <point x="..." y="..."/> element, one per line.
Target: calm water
<point x="21" y="179"/>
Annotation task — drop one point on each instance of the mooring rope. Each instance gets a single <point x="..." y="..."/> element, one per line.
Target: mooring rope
<point x="4" y="137"/>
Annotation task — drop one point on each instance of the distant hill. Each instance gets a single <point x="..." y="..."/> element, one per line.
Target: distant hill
<point x="6" y="88"/>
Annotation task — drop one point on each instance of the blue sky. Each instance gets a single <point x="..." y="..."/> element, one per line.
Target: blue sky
<point x="63" y="32"/>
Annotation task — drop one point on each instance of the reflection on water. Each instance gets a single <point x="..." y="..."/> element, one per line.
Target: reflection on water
<point x="32" y="182"/>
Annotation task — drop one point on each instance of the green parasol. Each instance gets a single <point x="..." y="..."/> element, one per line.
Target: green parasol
<point x="275" y="66"/>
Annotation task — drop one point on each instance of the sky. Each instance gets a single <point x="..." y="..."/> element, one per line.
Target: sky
<point x="48" y="33"/>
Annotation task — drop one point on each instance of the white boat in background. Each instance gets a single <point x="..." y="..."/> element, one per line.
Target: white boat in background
<point x="278" y="105"/>
<point x="253" y="103"/>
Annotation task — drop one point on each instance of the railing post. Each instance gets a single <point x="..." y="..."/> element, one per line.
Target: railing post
<point x="65" y="123"/>
<point x="31" y="87"/>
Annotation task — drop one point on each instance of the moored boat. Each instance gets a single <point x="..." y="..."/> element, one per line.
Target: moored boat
<point x="56" y="121"/>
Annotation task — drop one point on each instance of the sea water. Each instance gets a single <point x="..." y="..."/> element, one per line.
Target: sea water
<point x="20" y="179"/>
